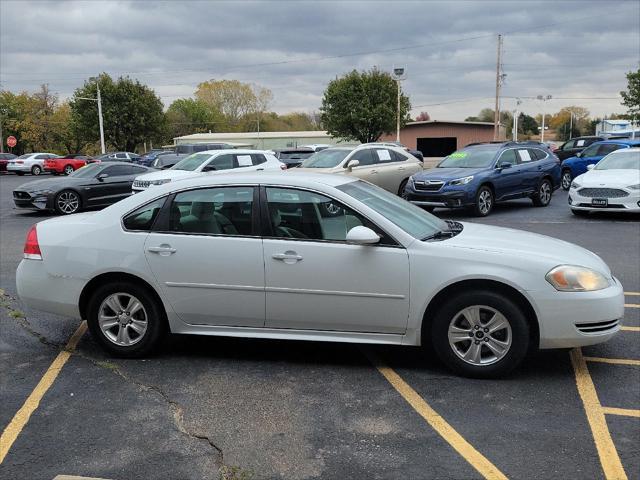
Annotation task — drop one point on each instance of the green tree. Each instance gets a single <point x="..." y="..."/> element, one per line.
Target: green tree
<point x="631" y="97"/>
<point x="132" y="112"/>
<point x="362" y="106"/>
<point x="527" y="125"/>
<point x="563" y="125"/>
<point x="66" y="134"/>
<point x="186" y="116"/>
<point x="485" y="115"/>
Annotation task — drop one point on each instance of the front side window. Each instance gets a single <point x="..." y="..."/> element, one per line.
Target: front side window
<point x="258" y="158"/>
<point x="607" y="148"/>
<point x="301" y="214"/>
<point x="143" y="218"/>
<point x="569" y="145"/>
<point x="192" y="162"/>
<point x="225" y="162"/>
<point x="365" y="157"/>
<point x="213" y="211"/>
<point x="508" y="156"/>
<point x="590" y="151"/>
<point x="118" y="170"/>
<point x="91" y="170"/>
<point x="42" y="157"/>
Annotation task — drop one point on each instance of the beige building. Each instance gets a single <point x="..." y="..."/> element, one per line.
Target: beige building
<point x="261" y="140"/>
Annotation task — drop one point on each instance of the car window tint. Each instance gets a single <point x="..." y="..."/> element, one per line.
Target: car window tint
<point x="364" y="156"/>
<point x="121" y="155"/>
<point x="398" y="157"/>
<point x="570" y="144"/>
<point x="508" y="156"/>
<point x="143" y="217"/>
<point x="607" y="148"/>
<point x="200" y="148"/>
<point x="524" y="155"/>
<point x="382" y="155"/>
<point x="118" y="170"/>
<point x="223" y="162"/>
<point x="590" y="151"/>
<point x="536" y="154"/>
<point x="308" y="215"/>
<point x="41" y="157"/>
<point x="213" y="211"/>
<point x="258" y="158"/>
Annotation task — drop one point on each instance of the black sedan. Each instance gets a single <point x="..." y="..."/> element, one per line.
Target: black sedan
<point x="94" y="186"/>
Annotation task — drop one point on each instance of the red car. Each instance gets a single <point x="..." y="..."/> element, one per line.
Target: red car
<point x="66" y="164"/>
<point x="4" y="159"/>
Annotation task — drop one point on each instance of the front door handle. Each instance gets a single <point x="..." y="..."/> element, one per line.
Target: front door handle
<point x="401" y="169"/>
<point x="373" y="171"/>
<point x="163" y="250"/>
<point x="289" y="257"/>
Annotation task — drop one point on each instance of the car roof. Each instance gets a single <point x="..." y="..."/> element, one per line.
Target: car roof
<point x="633" y="142"/>
<point x="626" y="150"/>
<point x="230" y="150"/>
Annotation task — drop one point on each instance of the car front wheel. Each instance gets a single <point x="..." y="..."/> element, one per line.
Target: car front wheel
<point x="480" y="334"/>
<point x="68" y="170"/>
<point x="484" y="202"/>
<point x="125" y="319"/>
<point x="36" y="170"/>
<point x="566" y="179"/>
<point x="543" y="196"/>
<point x="67" y="202"/>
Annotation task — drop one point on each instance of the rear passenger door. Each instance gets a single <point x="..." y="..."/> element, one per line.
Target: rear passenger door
<point x="206" y="254"/>
<point x="393" y="167"/>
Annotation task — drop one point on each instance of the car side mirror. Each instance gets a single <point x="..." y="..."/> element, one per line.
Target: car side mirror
<point x="102" y="176"/>
<point x="362" y="236"/>
<point x="505" y="165"/>
<point x="591" y="166"/>
<point x="579" y="154"/>
<point x="351" y="164"/>
<point x="209" y="168"/>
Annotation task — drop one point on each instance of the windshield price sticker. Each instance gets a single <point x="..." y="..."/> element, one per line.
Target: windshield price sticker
<point x="458" y="155"/>
<point x="244" y="160"/>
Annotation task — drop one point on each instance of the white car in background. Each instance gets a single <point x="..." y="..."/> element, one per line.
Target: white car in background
<point x="612" y="185"/>
<point x="246" y="255"/>
<point x="210" y="161"/>
<point x="32" y="163"/>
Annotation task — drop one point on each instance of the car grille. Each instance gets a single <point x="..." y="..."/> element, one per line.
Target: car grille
<point x="141" y="183"/>
<point x="599" y="327"/>
<point x="428" y="185"/>
<point x="602" y="192"/>
<point x="21" y="195"/>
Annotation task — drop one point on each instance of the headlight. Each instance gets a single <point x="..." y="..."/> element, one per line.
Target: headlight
<point x="575" y="184"/>
<point x="160" y="182"/>
<point x="569" y="278"/>
<point x="40" y="193"/>
<point x="634" y="187"/>
<point x="461" y="181"/>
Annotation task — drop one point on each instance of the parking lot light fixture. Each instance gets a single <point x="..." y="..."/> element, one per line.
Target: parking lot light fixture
<point x="543" y="99"/>
<point x="398" y="75"/>
<point x="100" y="120"/>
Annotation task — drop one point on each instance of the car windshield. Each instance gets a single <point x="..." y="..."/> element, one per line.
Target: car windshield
<point x="474" y="157"/>
<point x="88" y="171"/>
<point x="192" y="162"/>
<point x="410" y="218"/>
<point x="326" y="158"/>
<point x="620" y="160"/>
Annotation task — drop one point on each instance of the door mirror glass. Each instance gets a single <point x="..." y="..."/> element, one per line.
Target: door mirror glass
<point x="351" y="164"/>
<point x="362" y="236"/>
<point x="209" y="168"/>
<point x="591" y="166"/>
<point x="102" y="176"/>
<point x="506" y="165"/>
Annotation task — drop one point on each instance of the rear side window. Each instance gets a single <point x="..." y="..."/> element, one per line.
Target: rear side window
<point x="258" y="158"/>
<point x="143" y="218"/>
<point x="524" y="156"/>
<point x="398" y="157"/>
<point x="537" y="154"/>
<point x="384" y="155"/>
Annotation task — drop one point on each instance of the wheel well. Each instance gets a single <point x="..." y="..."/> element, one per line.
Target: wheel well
<point x="490" y="185"/>
<point x="113" y="277"/>
<point x="491" y="285"/>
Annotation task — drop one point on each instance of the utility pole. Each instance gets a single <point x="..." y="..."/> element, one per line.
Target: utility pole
<point x="544" y="100"/>
<point x="100" y="119"/>
<point x="398" y="75"/>
<point x="570" y="125"/>
<point x="1" y="138"/>
<point x="398" y="115"/>
<point x="496" y="118"/>
<point x="516" y="113"/>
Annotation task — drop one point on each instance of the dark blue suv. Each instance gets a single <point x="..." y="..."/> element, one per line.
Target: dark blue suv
<point x="481" y="174"/>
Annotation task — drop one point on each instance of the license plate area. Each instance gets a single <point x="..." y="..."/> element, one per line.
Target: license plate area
<point x="599" y="202"/>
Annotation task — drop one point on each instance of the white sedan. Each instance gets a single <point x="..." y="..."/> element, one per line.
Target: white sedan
<point x="32" y="163"/>
<point x="210" y="161"/>
<point x="249" y="255"/>
<point x="612" y="185"/>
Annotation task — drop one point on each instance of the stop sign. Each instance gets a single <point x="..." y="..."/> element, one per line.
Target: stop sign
<point x="11" y="141"/>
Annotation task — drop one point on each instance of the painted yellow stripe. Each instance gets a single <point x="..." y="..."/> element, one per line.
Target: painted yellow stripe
<point x="607" y="452"/>
<point x="614" y="361"/>
<point x="627" y="412"/>
<point x="20" y="419"/>
<point x="625" y="328"/>
<point x="451" y="436"/>
<point x="632" y="294"/>
<point x="631" y="305"/>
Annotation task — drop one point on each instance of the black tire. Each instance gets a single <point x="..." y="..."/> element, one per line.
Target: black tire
<point x="36" y="170"/>
<point x="484" y="202"/>
<point x="580" y="213"/>
<point x="448" y="314"/>
<point x="155" y="314"/>
<point x="68" y="169"/>
<point x="67" y="202"/>
<point x="543" y="194"/>
<point x="403" y="184"/>
<point x="566" y="179"/>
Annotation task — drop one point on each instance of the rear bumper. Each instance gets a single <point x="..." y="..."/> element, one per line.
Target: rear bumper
<point x="18" y="168"/>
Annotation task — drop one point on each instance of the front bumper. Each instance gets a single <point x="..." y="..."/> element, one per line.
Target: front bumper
<point x="577" y="319"/>
<point x="29" y="202"/>
<point x="441" y="198"/>
<point x="630" y="203"/>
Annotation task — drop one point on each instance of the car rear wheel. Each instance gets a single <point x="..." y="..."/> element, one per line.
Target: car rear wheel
<point x="580" y="213"/>
<point x="126" y="319"/>
<point x="68" y="169"/>
<point x="566" y="179"/>
<point x="484" y="202"/>
<point x="403" y="185"/>
<point x="543" y="196"/>
<point x="67" y="202"/>
<point x="480" y="334"/>
<point x="36" y="170"/>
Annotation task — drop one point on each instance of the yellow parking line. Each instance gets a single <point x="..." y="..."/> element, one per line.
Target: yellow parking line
<point x="631" y="305"/>
<point x="624" y="328"/>
<point x="632" y="294"/>
<point x="20" y="419"/>
<point x="447" y="432"/>
<point x="627" y="412"/>
<point x="615" y="361"/>
<point x="607" y="452"/>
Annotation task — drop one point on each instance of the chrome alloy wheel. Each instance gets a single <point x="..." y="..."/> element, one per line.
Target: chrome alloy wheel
<point x="122" y="319"/>
<point x="68" y="202"/>
<point x="480" y="335"/>
<point x="566" y="180"/>
<point x="485" y="202"/>
<point x="544" y="193"/>
<point x="68" y="170"/>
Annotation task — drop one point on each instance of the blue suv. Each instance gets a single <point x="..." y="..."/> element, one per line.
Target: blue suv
<point x="574" y="166"/>
<point x="481" y="174"/>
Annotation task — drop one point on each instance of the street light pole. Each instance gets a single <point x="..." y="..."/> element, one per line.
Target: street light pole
<point x="544" y="100"/>
<point x="398" y="74"/>
<point x="100" y="120"/>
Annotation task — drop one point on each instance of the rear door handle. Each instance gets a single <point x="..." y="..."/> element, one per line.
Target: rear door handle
<point x="287" y="257"/>
<point x="401" y="169"/>
<point x="163" y="250"/>
<point x="373" y="171"/>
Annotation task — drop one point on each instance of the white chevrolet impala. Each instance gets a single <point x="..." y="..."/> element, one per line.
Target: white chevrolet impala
<point x="315" y="257"/>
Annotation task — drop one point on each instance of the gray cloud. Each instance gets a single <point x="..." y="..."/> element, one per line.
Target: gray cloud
<point x="567" y="49"/>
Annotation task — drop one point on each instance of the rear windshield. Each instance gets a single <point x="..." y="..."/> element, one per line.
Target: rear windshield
<point x="326" y="158"/>
<point x="473" y="157"/>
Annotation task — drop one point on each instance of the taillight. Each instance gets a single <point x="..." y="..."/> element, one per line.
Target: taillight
<point x="19" y="161"/>
<point x="31" y="246"/>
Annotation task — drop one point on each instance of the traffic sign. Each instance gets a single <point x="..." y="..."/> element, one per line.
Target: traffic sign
<point x="11" y="141"/>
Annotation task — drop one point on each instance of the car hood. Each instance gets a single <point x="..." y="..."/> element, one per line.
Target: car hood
<point x="168" y="173"/>
<point x="52" y="183"/>
<point x="609" y="178"/>
<point x="522" y="244"/>
<point x="447" y="173"/>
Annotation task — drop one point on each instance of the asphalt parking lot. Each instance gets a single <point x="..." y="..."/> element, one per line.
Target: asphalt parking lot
<point x="237" y="408"/>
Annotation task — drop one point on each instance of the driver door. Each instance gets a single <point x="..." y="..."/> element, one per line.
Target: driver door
<point x="112" y="188"/>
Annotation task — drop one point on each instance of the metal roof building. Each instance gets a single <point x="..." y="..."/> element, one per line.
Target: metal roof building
<point x="261" y="140"/>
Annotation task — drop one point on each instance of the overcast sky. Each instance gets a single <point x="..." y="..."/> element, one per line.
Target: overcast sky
<point x="576" y="51"/>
